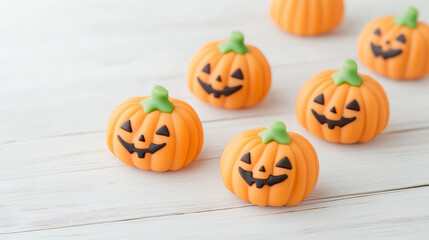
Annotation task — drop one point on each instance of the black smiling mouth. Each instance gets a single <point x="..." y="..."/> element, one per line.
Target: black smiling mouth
<point x="385" y="54"/>
<point x="217" y="93"/>
<point x="331" y="123"/>
<point x="270" y="181"/>
<point x="153" y="148"/>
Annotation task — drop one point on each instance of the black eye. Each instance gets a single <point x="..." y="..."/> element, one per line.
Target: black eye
<point x="377" y="32"/>
<point x="163" y="131"/>
<point x="401" y="38"/>
<point x="246" y="158"/>
<point x="127" y="126"/>
<point x="237" y="74"/>
<point x="320" y="99"/>
<point x="284" y="163"/>
<point x="353" y="105"/>
<point x="206" y="68"/>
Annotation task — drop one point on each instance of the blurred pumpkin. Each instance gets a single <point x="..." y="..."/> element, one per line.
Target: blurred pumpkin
<point x="343" y="105"/>
<point x="307" y="17"/>
<point x="155" y="133"/>
<point x="396" y="47"/>
<point x="229" y="74"/>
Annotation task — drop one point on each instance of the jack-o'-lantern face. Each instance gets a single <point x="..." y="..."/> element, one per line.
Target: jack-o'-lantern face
<point x="141" y="148"/>
<point x="270" y="166"/>
<point x="229" y="74"/>
<point x="396" y="47"/>
<point x="213" y="83"/>
<point x="343" y="105"/>
<point x="337" y="119"/>
<point x="265" y="177"/>
<point x="155" y="133"/>
<point x="386" y="45"/>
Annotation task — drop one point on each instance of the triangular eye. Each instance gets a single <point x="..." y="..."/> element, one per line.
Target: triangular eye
<point x="319" y="99"/>
<point x="163" y="131"/>
<point x="353" y="105"/>
<point x="206" y="68"/>
<point x="284" y="163"/>
<point x="237" y="74"/>
<point x="127" y="126"/>
<point x="377" y="32"/>
<point x="401" y="38"/>
<point x="246" y="158"/>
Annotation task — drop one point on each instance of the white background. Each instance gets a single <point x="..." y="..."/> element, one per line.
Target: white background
<point x="64" y="66"/>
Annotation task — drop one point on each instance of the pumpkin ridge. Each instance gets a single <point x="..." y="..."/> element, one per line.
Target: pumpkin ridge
<point x="193" y="116"/>
<point x="302" y="163"/>
<point x="379" y="111"/>
<point x="425" y="34"/>
<point x="414" y="47"/>
<point x="363" y="111"/>
<point x="192" y="139"/>
<point x="252" y="63"/>
<point x="274" y="165"/>
<point x="250" y="77"/>
<point x="383" y="103"/>
<point x="296" y="178"/>
<point x="310" y="158"/>
<point x="265" y="69"/>
<point x="178" y="122"/>
<point x="237" y="61"/>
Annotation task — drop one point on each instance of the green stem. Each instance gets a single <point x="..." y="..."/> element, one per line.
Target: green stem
<point x="409" y="18"/>
<point x="276" y="132"/>
<point x="347" y="74"/>
<point x="158" y="100"/>
<point x="235" y="43"/>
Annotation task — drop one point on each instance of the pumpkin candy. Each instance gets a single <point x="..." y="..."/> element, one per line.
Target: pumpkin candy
<point x="155" y="133"/>
<point x="270" y="166"/>
<point x="343" y="105"/>
<point x="229" y="74"/>
<point x="307" y="17"/>
<point x="396" y="47"/>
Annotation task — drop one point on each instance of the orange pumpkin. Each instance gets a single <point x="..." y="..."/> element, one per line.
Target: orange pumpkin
<point x="307" y="17"/>
<point x="343" y="105"/>
<point x="270" y="166"/>
<point x="396" y="47"/>
<point x="155" y="133"/>
<point x="229" y="74"/>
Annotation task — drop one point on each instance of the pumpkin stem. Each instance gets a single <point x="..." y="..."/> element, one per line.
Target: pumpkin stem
<point x="347" y="74"/>
<point x="235" y="43"/>
<point x="276" y="132"/>
<point x="158" y="100"/>
<point x="409" y="18"/>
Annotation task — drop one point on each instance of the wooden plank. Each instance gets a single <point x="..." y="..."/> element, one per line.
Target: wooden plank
<point x="72" y="109"/>
<point x="401" y="214"/>
<point x="95" y="187"/>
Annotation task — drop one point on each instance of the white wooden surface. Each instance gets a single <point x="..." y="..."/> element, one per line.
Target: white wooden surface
<point x="64" y="66"/>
